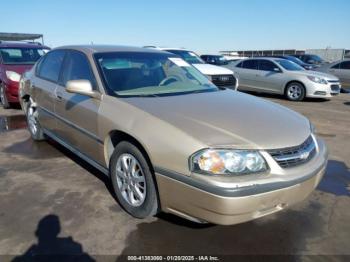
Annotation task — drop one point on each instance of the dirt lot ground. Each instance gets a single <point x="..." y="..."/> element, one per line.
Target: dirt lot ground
<point x="52" y="200"/>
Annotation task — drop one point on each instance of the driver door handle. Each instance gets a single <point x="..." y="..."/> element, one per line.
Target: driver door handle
<point x="59" y="96"/>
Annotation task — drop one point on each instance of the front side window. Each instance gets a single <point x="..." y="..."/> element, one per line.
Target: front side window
<point x="21" y="56"/>
<point x="77" y="67"/>
<point x="289" y="65"/>
<point x="345" y="65"/>
<point x="50" y="66"/>
<point x="265" y="65"/>
<point x="149" y="74"/>
<point x="188" y="56"/>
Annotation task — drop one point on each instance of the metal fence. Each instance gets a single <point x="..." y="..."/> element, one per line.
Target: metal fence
<point x="330" y="55"/>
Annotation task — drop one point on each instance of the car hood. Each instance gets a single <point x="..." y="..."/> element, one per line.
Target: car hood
<point x="208" y="69"/>
<point x="229" y="119"/>
<point x="318" y="74"/>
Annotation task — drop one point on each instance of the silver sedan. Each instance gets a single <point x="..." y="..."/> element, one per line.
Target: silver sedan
<point x="340" y="69"/>
<point x="280" y="76"/>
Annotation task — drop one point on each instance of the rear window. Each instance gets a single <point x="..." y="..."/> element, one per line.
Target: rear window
<point x="19" y="56"/>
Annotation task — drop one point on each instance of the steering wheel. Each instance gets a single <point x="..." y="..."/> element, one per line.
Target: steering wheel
<point x="169" y="80"/>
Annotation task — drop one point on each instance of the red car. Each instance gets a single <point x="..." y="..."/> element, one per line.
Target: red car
<point x="15" y="59"/>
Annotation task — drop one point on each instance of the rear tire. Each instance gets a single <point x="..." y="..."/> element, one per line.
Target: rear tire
<point x="133" y="182"/>
<point x="295" y="91"/>
<point x="4" y="102"/>
<point x="34" y="126"/>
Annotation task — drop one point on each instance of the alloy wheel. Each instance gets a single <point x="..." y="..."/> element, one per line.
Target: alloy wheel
<point x="131" y="180"/>
<point x="294" y="92"/>
<point x="32" y="120"/>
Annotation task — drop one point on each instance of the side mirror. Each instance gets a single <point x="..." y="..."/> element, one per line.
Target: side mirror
<point x="82" y="87"/>
<point x="277" y="70"/>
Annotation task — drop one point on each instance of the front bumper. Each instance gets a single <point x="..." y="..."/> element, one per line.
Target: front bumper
<point x="322" y="90"/>
<point x="200" y="202"/>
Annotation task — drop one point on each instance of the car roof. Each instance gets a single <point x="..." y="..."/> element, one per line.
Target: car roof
<point x="21" y="44"/>
<point x="174" y="49"/>
<point x="91" y="49"/>
<point x="263" y="58"/>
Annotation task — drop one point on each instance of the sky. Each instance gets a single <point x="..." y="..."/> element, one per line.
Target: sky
<point x="206" y="26"/>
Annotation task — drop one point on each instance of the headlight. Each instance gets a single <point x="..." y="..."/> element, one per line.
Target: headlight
<point x="13" y="76"/>
<point x="318" y="80"/>
<point x="227" y="162"/>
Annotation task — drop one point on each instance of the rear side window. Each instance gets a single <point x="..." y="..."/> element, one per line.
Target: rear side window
<point x="345" y="65"/>
<point x="50" y="67"/>
<point x="77" y="67"/>
<point x="250" y="64"/>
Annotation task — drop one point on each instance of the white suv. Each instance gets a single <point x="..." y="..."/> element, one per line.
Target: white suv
<point x="220" y="76"/>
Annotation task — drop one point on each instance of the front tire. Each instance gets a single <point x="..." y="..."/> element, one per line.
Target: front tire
<point x="4" y="102"/>
<point x="133" y="182"/>
<point x="295" y="91"/>
<point x="34" y="127"/>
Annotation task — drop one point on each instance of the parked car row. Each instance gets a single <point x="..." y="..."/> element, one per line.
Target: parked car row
<point x="168" y="138"/>
<point x="271" y="74"/>
<point x="220" y="76"/>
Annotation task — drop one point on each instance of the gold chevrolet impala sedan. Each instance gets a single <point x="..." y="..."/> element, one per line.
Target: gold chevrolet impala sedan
<point x="168" y="138"/>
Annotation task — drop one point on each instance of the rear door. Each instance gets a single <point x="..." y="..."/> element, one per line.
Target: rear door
<point x="270" y="76"/>
<point x="246" y="72"/>
<point x="44" y="86"/>
<point x="77" y="114"/>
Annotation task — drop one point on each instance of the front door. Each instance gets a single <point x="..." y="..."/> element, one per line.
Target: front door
<point x="270" y="77"/>
<point x="77" y="114"/>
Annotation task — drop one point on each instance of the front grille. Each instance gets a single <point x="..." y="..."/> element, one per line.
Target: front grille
<point x="335" y="88"/>
<point x="333" y="81"/>
<point x="294" y="156"/>
<point x="223" y="80"/>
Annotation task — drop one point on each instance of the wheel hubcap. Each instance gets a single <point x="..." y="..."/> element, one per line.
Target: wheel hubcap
<point x="131" y="180"/>
<point x="294" y="91"/>
<point x="32" y="121"/>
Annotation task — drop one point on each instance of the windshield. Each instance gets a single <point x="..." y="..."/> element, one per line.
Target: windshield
<point x="295" y="60"/>
<point x="188" y="56"/>
<point x="315" y="58"/>
<point x="21" y="56"/>
<point x="149" y="74"/>
<point x="289" y="65"/>
<point x="221" y="60"/>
